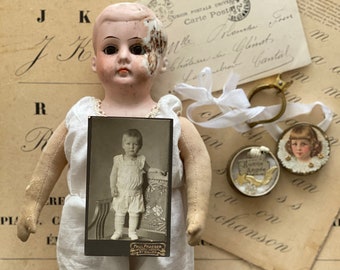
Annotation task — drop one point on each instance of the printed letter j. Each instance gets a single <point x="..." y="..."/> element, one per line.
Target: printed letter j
<point x="42" y="16"/>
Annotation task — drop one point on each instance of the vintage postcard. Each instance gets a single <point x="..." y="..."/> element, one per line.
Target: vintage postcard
<point x="253" y="38"/>
<point x="128" y="187"/>
<point x="289" y="228"/>
<point x="44" y="74"/>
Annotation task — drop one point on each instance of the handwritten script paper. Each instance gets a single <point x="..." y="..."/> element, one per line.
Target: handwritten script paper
<point x="254" y="38"/>
<point x="287" y="228"/>
<point x="46" y="68"/>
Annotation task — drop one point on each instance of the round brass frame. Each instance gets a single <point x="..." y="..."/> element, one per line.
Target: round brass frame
<point x="281" y="87"/>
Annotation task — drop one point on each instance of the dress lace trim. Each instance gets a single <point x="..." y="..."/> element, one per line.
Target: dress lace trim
<point x="98" y="109"/>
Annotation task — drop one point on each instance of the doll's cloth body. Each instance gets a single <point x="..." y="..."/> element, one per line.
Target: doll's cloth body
<point x="129" y="184"/>
<point x="70" y="246"/>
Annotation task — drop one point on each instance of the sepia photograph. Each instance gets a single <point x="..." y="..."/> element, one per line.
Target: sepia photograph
<point x="128" y="187"/>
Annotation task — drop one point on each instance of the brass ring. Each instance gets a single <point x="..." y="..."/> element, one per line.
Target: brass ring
<point x="281" y="86"/>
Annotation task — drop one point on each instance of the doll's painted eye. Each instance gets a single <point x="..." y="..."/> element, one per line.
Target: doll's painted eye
<point x="137" y="49"/>
<point x="110" y="50"/>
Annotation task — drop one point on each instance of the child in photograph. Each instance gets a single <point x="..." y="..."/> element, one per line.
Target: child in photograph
<point x="303" y="152"/>
<point x="303" y="143"/>
<point x="126" y="182"/>
<point x="129" y="52"/>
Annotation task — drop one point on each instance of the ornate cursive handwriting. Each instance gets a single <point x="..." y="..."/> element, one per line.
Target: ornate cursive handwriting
<point x="250" y="42"/>
<point x="175" y="46"/>
<point x="41" y="46"/>
<point x="223" y="67"/>
<point x="79" y="50"/>
<point x="212" y="142"/>
<point x="226" y="198"/>
<point x="280" y="16"/>
<point x="238" y="224"/>
<point x="304" y="185"/>
<point x="278" y="55"/>
<point x="284" y="200"/>
<point x="226" y="30"/>
<point x="36" y="138"/>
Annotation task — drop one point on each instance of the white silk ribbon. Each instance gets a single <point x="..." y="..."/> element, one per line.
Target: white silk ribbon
<point x="295" y="109"/>
<point x="235" y="106"/>
<point x="233" y="103"/>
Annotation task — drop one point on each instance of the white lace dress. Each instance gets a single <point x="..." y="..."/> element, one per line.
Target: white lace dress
<point x="70" y="246"/>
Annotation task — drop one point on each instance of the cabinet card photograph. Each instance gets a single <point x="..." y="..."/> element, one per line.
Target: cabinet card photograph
<point x="128" y="184"/>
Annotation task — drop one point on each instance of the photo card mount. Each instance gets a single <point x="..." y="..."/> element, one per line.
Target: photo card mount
<point x="128" y="186"/>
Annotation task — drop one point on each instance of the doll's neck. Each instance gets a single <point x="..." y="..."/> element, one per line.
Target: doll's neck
<point x="127" y="107"/>
<point x="128" y="100"/>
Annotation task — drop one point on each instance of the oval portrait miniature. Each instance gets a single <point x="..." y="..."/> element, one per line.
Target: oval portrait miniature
<point x="303" y="148"/>
<point x="254" y="171"/>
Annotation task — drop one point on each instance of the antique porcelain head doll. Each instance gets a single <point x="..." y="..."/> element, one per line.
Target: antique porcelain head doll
<point x="129" y="52"/>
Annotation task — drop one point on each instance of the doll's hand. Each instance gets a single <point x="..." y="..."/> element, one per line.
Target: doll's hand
<point x="194" y="232"/>
<point x="27" y="224"/>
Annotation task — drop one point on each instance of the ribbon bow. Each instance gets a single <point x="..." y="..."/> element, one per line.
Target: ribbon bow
<point x="235" y="106"/>
<point x="233" y="103"/>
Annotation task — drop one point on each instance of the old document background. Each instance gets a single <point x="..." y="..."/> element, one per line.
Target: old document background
<point x="35" y="98"/>
<point x="252" y="43"/>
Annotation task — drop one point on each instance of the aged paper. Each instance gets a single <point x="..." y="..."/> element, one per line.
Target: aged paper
<point x="211" y="257"/>
<point x="287" y="228"/>
<point x="46" y="57"/>
<point x="254" y="38"/>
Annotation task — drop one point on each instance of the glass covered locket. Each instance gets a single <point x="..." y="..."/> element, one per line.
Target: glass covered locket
<point x="303" y="149"/>
<point x="254" y="171"/>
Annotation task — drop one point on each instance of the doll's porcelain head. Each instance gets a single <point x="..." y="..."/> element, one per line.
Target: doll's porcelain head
<point x="128" y="38"/>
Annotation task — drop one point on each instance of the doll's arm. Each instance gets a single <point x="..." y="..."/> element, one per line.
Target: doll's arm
<point x="197" y="168"/>
<point x="51" y="164"/>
